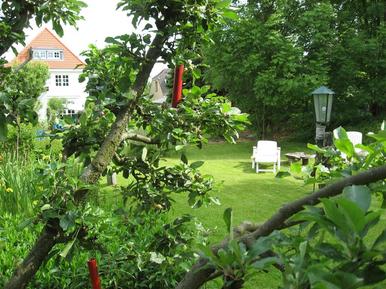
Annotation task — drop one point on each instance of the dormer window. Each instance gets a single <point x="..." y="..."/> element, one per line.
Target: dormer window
<point x="47" y="54"/>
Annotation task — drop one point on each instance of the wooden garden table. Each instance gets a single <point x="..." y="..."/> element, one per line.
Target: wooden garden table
<point x="297" y="156"/>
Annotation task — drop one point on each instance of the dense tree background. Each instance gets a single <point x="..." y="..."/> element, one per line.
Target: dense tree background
<point x="279" y="51"/>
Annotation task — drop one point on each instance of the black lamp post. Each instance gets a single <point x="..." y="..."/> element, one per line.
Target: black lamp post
<point x="323" y="97"/>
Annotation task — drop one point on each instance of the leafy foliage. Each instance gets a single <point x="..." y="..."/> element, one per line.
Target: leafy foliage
<point x="19" y="93"/>
<point x="141" y="252"/>
<point x="296" y="47"/>
<point x="16" y="15"/>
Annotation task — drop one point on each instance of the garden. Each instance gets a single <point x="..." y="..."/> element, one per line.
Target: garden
<point x="188" y="210"/>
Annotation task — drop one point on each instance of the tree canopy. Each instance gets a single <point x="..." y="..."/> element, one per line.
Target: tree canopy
<point x="280" y="51"/>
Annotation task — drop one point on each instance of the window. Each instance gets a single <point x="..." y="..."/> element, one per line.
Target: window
<point x="62" y="80"/>
<point x="58" y="80"/>
<point x="49" y="54"/>
<point x="65" y="80"/>
<point x="36" y="55"/>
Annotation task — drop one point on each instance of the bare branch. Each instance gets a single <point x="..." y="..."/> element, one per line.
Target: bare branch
<point x="139" y="137"/>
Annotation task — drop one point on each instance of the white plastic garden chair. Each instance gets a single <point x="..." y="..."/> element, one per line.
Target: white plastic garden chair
<point x="266" y="151"/>
<point x="355" y="137"/>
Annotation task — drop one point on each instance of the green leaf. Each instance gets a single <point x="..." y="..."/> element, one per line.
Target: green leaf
<point x="196" y="164"/>
<point x="184" y="159"/>
<point x="144" y="154"/>
<point x="67" y="249"/>
<point x="111" y="40"/>
<point x="264" y="263"/>
<point x="157" y="258"/>
<point x="360" y="195"/>
<point x="45" y="207"/>
<point x="83" y="119"/>
<point x="227" y="216"/>
<point x="345" y="146"/>
<point x="148" y="26"/>
<point x="354" y="216"/>
<point x="58" y="28"/>
<point x="262" y="245"/>
<point x="380" y="136"/>
<point x="340" y="133"/>
<point x="230" y="15"/>
<point x="179" y="147"/>
<point x="316" y="148"/>
<point x="334" y="214"/>
<point x="67" y="221"/>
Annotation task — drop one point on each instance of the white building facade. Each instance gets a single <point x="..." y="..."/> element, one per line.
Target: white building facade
<point x="64" y="67"/>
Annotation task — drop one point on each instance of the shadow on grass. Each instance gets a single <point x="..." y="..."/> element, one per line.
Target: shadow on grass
<point x="247" y="167"/>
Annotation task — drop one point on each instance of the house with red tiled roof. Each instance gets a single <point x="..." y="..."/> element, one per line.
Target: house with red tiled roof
<point x="65" y="68"/>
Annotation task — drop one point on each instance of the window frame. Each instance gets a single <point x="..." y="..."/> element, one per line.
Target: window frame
<point x="43" y="54"/>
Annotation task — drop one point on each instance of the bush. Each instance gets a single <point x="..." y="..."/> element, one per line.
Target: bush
<point x="141" y="251"/>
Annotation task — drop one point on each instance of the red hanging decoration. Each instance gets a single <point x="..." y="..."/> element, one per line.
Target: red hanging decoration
<point x="93" y="269"/>
<point x="177" y="85"/>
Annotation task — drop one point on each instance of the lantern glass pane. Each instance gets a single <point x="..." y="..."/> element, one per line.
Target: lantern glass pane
<point x="323" y="105"/>
<point x="329" y="106"/>
<point x="320" y="102"/>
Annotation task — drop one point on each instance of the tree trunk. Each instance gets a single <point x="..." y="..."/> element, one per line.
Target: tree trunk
<point x="35" y="258"/>
<point x="25" y="272"/>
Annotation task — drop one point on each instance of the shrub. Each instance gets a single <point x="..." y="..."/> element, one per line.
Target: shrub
<point x="141" y="251"/>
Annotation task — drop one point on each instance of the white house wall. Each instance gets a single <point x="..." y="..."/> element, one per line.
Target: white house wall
<point x="74" y="93"/>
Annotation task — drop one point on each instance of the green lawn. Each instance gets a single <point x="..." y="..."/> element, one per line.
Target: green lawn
<point x="253" y="197"/>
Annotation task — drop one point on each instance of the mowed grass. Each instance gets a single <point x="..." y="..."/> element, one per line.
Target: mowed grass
<point x="253" y="197"/>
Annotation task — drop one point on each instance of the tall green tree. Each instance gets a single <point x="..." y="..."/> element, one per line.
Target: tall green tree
<point x="280" y="51"/>
<point x="19" y="93"/>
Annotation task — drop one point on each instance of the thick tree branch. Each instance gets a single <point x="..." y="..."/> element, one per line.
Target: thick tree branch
<point x="25" y="272"/>
<point x="200" y="272"/>
<point x="109" y="146"/>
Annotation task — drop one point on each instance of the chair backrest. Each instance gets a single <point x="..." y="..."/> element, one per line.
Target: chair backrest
<point x="267" y="148"/>
<point x="355" y="137"/>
